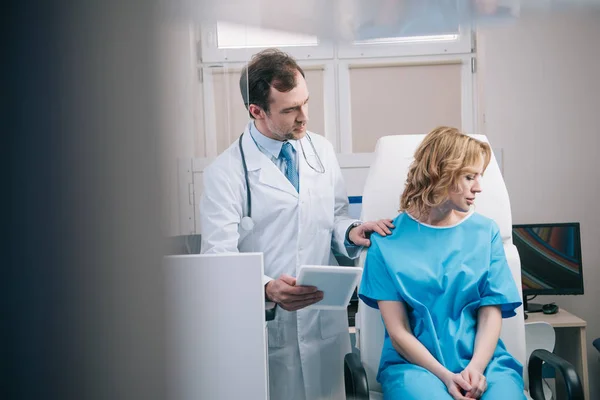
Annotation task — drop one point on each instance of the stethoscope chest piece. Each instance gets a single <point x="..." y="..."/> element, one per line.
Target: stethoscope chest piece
<point x="247" y="224"/>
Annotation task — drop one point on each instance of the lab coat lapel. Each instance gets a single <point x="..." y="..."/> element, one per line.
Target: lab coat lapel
<point x="269" y="174"/>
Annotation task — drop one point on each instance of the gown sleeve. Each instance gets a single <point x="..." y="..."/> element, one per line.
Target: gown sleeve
<point x="499" y="287"/>
<point x="377" y="283"/>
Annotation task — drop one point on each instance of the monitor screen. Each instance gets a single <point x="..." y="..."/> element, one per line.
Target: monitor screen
<point x="550" y="258"/>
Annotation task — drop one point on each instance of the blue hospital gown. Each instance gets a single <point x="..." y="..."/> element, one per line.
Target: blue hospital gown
<point x="443" y="275"/>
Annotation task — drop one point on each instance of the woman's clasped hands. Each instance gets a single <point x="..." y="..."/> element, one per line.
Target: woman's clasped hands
<point x="469" y="384"/>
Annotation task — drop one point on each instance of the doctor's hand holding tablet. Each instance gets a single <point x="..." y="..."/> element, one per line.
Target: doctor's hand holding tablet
<point x="313" y="282"/>
<point x="290" y="297"/>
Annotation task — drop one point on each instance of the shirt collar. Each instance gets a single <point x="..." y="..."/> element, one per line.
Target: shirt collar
<point x="272" y="146"/>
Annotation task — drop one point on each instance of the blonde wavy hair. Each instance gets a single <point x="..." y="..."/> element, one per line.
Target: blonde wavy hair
<point x="440" y="160"/>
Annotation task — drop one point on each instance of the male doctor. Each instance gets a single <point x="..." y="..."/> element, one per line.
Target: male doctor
<point x="297" y="215"/>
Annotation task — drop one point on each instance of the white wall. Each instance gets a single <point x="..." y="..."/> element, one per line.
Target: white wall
<point x="541" y="97"/>
<point x="180" y="91"/>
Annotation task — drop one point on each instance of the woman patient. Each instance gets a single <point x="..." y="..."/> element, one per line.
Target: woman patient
<point x="442" y="282"/>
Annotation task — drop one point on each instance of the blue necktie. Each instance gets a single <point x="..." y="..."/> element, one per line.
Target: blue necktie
<point x="287" y="152"/>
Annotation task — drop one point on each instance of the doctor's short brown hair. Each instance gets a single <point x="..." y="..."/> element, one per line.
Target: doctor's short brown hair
<point x="440" y="160"/>
<point x="268" y="68"/>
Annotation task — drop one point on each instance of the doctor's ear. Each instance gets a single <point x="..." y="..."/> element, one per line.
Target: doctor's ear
<point x="256" y="111"/>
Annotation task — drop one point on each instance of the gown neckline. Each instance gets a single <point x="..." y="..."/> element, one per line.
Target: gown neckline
<point x="471" y="212"/>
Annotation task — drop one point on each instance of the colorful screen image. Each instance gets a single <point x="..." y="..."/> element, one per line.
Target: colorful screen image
<point x="550" y="258"/>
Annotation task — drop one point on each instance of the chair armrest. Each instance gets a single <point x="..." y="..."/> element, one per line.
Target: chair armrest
<point x="355" y="378"/>
<point x="570" y="377"/>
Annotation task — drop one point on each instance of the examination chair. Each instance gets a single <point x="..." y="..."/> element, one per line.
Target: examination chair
<point x="381" y="198"/>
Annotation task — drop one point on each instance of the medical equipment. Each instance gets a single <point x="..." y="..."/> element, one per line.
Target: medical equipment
<point x="247" y="223"/>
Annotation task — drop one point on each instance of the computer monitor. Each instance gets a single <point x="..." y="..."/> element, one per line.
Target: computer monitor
<point x="550" y="259"/>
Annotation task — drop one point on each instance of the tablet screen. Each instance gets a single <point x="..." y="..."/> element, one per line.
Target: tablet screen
<point x="337" y="284"/>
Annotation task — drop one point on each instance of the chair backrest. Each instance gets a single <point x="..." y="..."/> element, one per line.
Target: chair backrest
<point x="381" y="199"/>
<point x="539" y="335"/>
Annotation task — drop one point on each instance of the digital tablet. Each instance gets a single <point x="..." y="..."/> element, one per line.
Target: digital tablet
<point x="336" y="283"/>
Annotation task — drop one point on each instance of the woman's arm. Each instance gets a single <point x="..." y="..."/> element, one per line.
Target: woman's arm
<point x="489" y="323"/>
<point x="408" y="346"/>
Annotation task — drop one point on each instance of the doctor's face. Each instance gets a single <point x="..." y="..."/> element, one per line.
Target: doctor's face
<point x="468" y="186"/>
<point x="288" y="112"/>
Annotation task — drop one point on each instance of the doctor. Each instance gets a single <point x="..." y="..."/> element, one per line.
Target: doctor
<point x="279" y="190"/>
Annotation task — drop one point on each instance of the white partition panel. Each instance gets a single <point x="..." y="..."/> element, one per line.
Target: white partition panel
<point x="216" y="342"/>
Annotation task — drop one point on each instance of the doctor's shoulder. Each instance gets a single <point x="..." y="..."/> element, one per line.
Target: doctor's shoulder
<point x="227" y="165"/>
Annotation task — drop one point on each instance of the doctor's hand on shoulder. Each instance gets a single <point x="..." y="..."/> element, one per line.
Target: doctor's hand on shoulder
<point x="359" y="235"/>
<point x="290" y="297"/>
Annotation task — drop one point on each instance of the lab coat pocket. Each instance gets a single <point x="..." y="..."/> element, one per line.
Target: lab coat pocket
<point x="322" y="207"/>
<point x="275" y="334"/>
<point x="333" y="322"/>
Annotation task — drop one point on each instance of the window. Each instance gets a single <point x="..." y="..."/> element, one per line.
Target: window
<point x="402" y="99"/>
<point x="234" y="42"/>
<point x="377" y="76"/>
<point x="237" y="36"/>
<point x="409" y="39"/>
<point x="403" y="95"/>
<point x="390" y="28"/>
<point x="398" y="46"/>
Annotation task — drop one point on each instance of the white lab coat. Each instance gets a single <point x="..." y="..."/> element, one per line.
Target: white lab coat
<point x="307" y="347"/>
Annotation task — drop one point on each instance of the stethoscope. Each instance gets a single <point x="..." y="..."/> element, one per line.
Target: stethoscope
<point x="247" y="223"/>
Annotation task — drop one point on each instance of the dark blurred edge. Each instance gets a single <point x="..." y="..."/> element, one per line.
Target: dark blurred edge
<point x="82" y="301"/>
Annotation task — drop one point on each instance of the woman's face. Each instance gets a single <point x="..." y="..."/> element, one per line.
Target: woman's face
<point x="468" y="185"/>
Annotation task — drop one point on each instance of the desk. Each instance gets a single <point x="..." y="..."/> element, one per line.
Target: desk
<point x="570" y="341"/>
